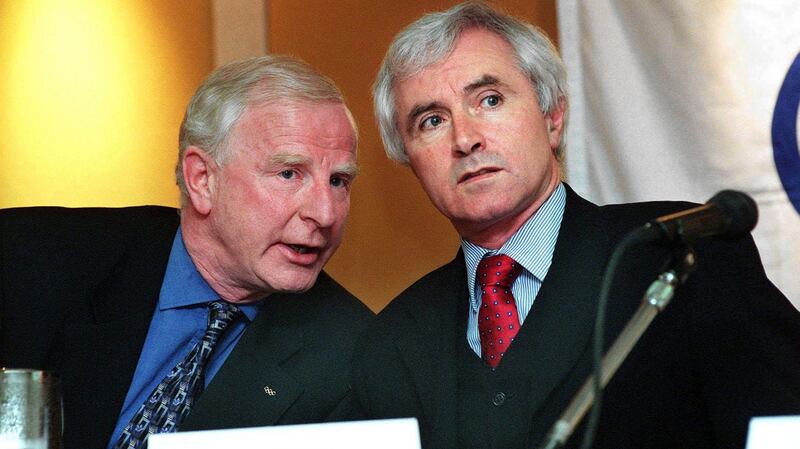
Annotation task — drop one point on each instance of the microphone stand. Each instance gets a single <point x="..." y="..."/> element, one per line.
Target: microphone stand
<point x="656" y="298"/>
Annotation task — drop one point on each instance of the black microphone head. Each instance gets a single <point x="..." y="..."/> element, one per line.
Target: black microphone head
<point x="739" y="211"/>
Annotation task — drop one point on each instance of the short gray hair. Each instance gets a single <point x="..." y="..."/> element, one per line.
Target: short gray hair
<point x="433" y="37"/>
<point x="222" y="98"/>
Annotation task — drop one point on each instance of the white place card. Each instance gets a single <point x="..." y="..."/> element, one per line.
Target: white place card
<point x="383" y="433"/>
<point x="779" y="432"/>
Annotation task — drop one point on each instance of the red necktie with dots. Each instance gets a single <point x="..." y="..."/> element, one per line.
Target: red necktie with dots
<point x="498" y="321"/>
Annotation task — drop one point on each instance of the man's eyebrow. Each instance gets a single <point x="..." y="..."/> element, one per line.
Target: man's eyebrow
<point x="289" y="159"/>
<point x="485" y="80"/>
<point x="292" y="159"/>
<point x="349" y="169"/>
<point x="418" y="110"/>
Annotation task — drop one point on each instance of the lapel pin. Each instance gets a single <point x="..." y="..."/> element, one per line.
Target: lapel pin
<point x="270" y="391"/>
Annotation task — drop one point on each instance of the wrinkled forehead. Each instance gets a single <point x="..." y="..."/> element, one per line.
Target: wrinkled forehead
<point x="280" y="110"/>
<point x="293" y="129"/>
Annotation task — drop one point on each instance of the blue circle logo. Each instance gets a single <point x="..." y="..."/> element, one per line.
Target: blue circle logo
<point x="784" y="134"/>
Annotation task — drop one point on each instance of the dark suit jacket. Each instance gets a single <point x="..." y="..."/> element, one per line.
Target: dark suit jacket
<point x="727" y="348"/>
<point x="78" y="288"/>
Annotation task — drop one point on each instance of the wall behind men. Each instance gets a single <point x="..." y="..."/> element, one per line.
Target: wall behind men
<point x="93" y="93"/>
<point x="394" y="235"/>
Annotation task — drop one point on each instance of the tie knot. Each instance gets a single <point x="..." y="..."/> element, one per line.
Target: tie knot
<point x="499" y="271"/>
<point x="222" y="314"/>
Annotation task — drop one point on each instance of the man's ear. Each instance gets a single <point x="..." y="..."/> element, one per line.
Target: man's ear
<point x="555" y="123"/>
<point x="199" y="175"/>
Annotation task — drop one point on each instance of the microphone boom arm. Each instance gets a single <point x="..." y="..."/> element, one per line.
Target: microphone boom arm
<point x="655" y="300"/>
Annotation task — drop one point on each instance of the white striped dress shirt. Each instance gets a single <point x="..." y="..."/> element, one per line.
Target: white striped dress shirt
<point x="532" y="247"/>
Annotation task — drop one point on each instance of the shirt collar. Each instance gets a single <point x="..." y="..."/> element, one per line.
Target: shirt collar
<point x="531" y="246"/>
<point x="183" y="285"/>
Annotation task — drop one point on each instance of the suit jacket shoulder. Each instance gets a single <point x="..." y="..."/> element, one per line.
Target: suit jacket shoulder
<point x="60" y="264"/>
<point x="78" y="288"/>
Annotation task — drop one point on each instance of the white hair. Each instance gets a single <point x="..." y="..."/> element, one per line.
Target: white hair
<point x="222" y="98"/>
<point x="433" y="37"/>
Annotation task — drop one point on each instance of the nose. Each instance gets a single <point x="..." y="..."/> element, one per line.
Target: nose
<point x="467" y="136"/>
<point x="320" y="205"/>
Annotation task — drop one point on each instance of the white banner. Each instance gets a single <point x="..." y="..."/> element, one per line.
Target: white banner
<point x="680" y="99"/>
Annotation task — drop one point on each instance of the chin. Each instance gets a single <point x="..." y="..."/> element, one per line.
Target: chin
<point x="488" y="215"/>
<point x="293" y="282"/>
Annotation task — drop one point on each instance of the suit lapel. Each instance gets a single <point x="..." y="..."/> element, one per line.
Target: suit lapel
<point x="559" y="326"/>
<point x="101" y="352"/>
<point x="102" y="362"/>
<point x="432" y="353"/>
<point x="252" y="388"/>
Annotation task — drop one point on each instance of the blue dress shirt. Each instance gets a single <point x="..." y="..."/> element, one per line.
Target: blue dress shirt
<point x="178" y="324"/>
<point x="532" y="247"/>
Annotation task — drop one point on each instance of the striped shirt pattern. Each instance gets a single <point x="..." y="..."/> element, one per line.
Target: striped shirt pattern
<point x="532" y="247"/>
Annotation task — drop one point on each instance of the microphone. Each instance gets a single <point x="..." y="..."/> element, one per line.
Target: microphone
<point x="727" y="214"/>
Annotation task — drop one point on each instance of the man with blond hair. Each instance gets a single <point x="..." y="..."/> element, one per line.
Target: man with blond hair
<point x="215" y="317"/>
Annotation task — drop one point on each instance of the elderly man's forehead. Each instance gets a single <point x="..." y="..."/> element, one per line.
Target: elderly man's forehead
<point x="287" y="103"/>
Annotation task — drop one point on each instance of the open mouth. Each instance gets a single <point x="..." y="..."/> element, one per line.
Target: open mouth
<point x="481" y="172"/>
<point x="300" y="249"/>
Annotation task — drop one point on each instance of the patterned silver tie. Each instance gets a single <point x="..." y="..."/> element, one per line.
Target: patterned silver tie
<point x="172" y="399"/>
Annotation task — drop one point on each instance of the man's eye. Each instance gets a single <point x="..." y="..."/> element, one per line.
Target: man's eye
<point x="431" y="122"/>
<point x="288" y="174"/>
<point x="491" y="101"/>
<point x="339" y="181"/>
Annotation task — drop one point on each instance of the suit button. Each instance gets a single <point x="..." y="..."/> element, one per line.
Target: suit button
<point x="499" y="399"/>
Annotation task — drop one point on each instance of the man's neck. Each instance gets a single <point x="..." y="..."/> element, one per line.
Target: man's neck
<point x="206" y="257"/>
<point x="495" y="235"/>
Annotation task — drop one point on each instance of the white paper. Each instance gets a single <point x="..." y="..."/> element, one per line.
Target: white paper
<point x="781" y="432"/>
<point x="385" y="434"/>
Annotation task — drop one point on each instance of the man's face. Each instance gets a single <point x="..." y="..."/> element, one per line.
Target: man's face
<point x="476" y="139"/>
<point x="280" y="202"/>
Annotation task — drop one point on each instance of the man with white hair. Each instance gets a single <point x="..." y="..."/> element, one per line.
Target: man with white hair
<point x="488" y="350"/>
<point x="214" y="317"/>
